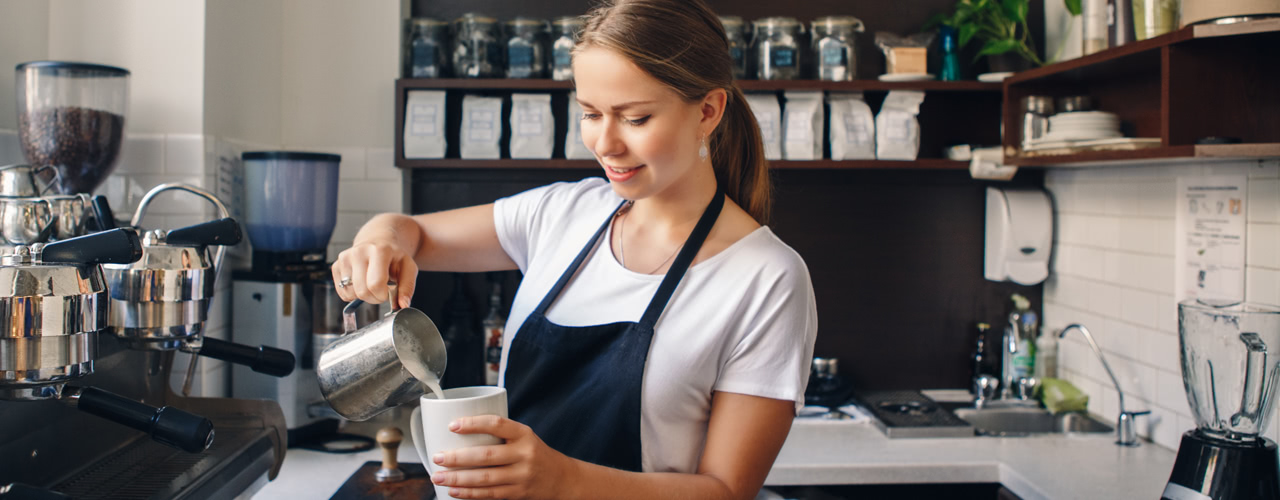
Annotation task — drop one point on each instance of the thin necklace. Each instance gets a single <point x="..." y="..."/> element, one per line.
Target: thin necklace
<point x="622" y="247"/>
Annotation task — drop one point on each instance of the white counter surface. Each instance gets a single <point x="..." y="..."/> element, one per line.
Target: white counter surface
<point x="824" y="453"/>
<point x="1040" y="467"/>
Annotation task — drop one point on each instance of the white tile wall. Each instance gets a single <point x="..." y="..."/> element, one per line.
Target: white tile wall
<point x="10" y="151"/>
<point x="1113" y="272"/>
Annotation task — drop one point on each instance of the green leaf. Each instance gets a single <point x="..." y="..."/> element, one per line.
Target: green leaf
<point x="1073" y="6"/>
<point x="966" y="33"/>
<point x="993" y="47"/>
<point x="1015" y="10"/>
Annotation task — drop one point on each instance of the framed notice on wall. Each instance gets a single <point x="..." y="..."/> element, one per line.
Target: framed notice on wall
<point x="1210" y="237"/>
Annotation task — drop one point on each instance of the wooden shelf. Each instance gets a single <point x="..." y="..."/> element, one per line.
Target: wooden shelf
<point x="750" y="85"/>
<point x="1181" y="87"/>
<point x="560" y="163"/>
<point x="1147" y="155"/>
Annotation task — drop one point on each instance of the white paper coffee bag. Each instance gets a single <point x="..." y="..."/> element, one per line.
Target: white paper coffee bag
<point x="533" y="127"/>
<point x="802" y="126"/>
<point x="424" y="124"/>
<point x="853" y="127"/>
<point x="769" y="117"/>
<point x="481" y="127"/>
<point x="897" y="130"/>
<point x="574" y="149"/>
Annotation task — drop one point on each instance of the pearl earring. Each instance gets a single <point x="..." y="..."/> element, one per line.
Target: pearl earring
<point x="702" y="149"/>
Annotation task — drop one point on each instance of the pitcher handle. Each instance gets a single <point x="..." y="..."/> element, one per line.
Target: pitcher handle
<point x="349" y="311"/>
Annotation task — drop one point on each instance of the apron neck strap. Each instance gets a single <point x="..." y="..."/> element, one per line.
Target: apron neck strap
<point x="683" y="260"/>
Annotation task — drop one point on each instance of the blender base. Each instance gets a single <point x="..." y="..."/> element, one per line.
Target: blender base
<point x="1208" y="468"/>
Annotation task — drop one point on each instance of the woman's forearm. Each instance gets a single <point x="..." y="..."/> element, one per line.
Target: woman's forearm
<point x="596" y="482"/>
<point x="399" y="229"/>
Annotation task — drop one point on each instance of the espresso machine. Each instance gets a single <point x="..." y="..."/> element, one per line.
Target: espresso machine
<point x="84" y="412"/>
<point x="1230" y="379"/>
<point x="290" y="212"/>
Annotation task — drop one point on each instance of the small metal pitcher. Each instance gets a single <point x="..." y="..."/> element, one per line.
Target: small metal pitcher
<point x="383" y="365"/>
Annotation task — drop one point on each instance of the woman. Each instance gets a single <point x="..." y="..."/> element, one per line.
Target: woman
<point x="661" y="334"/>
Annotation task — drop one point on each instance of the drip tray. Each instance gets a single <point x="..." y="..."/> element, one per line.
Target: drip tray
<point x="146" y="469"/>
<point x="909" y="414"/>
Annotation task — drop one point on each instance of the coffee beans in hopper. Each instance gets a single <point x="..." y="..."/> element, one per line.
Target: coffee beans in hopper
<point x="83" y="143"/>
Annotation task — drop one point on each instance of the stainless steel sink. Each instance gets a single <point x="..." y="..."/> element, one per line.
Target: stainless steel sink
<point x="1026" y="421"/>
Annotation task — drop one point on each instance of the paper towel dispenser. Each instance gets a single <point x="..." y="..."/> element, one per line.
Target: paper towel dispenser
<point x="1019" y="235"/>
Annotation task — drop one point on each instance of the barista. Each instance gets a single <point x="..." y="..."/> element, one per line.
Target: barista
<point x="658" y="345"/>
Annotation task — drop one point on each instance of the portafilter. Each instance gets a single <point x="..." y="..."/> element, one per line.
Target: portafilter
<point x="53" y="304"/>
<point x="161" y="302"/>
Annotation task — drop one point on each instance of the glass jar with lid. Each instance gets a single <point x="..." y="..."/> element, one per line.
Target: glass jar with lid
<point x="526" y="48"/>
<point x="426" y="48"/>
<point x="566" y="30"/>
<point x="776" y="45"/>
<point x="835" y="47"/>
<point x="738" y="49"/>
<point x="477" y="50"/>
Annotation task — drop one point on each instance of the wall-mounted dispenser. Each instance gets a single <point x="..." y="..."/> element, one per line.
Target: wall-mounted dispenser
<point x="1019" y="235"/>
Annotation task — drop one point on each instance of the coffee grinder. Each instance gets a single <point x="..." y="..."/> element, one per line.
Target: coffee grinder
<point x="1230" y="379"/>
<point x="291" y="204"/>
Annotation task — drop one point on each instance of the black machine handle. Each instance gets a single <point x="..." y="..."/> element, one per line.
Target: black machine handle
<point x="117" y="246"/>
<point x="261" y="359"/>
<point x="102" y="215"/>
<point x="217" y="232"/>
<point x="171" y="426"/>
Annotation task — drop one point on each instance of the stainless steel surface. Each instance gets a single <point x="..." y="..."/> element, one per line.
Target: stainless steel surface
<point x="25" y="220"/>
<point x="984" y="391"/>
<point x="36" y="367"/>
<point x="382" y="365"/>
<point x="161" y="301"/>
<point x="1035" y="118"/>
<point x="69" y="214"/>
<point x="38" y="300"/>
<point x="1008" y="377"/>
<point x="222" y="211"/>
<point x="1074" y="103"/>
<point x="909" y="414"/>
<point x="826" y="367"/>
<point x="1124" y="431"/>
<point x="24" y="181"/>
<point x="1025" y="421"/>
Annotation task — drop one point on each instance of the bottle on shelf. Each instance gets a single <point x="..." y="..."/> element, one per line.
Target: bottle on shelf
<point x="494" y="324"/>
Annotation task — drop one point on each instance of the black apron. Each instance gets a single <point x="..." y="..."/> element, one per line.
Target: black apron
<point x="578" y="388"/>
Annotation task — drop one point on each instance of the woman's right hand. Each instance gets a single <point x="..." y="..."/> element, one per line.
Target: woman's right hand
<point x="362" y="272"/>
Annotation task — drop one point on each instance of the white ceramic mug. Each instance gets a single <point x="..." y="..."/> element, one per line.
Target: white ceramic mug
<point x="429" y="423"/>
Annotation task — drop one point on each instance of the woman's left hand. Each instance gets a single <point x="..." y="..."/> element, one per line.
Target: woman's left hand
<point x="524" y="467"/>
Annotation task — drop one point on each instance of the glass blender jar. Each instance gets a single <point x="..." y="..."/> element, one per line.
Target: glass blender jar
<point x="1230" y="378"/>
<point x="71" y="116"/>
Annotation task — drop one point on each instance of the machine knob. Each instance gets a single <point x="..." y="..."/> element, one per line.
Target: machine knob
<point x="389" y="440"/>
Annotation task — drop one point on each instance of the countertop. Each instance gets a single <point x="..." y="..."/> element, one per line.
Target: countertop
<point x="819" y="452"/>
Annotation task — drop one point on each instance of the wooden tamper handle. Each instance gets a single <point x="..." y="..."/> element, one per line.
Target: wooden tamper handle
<point x="388" y="439"/>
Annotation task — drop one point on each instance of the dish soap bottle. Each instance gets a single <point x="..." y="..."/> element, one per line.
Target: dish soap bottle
<point x="1023" y="324"/>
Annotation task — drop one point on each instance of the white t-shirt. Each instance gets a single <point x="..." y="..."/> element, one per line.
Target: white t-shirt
<point x="742" y="321"/>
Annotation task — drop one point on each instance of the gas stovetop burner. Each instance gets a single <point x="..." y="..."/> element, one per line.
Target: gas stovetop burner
<point x="914" y="408"/>
<point x="911" y="414"/>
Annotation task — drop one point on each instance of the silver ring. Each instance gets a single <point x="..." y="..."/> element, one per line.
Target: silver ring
<point x="345" y="282"/>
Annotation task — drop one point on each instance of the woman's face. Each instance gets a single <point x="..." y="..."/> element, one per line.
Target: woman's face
<point x="644" y="135"/>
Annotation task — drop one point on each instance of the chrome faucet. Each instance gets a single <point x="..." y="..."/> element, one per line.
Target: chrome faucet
<point x="1009" y="347"/>
<point x="1125" y="434"/>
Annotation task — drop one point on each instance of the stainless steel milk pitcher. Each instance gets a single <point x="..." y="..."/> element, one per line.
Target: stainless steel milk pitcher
<point x="383" y="365"/>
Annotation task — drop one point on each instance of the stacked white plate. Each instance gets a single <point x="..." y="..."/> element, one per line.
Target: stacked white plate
<point x="1082" y="126"/>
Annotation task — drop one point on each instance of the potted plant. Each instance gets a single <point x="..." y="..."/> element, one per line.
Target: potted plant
<point x="1001" y="26"/>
